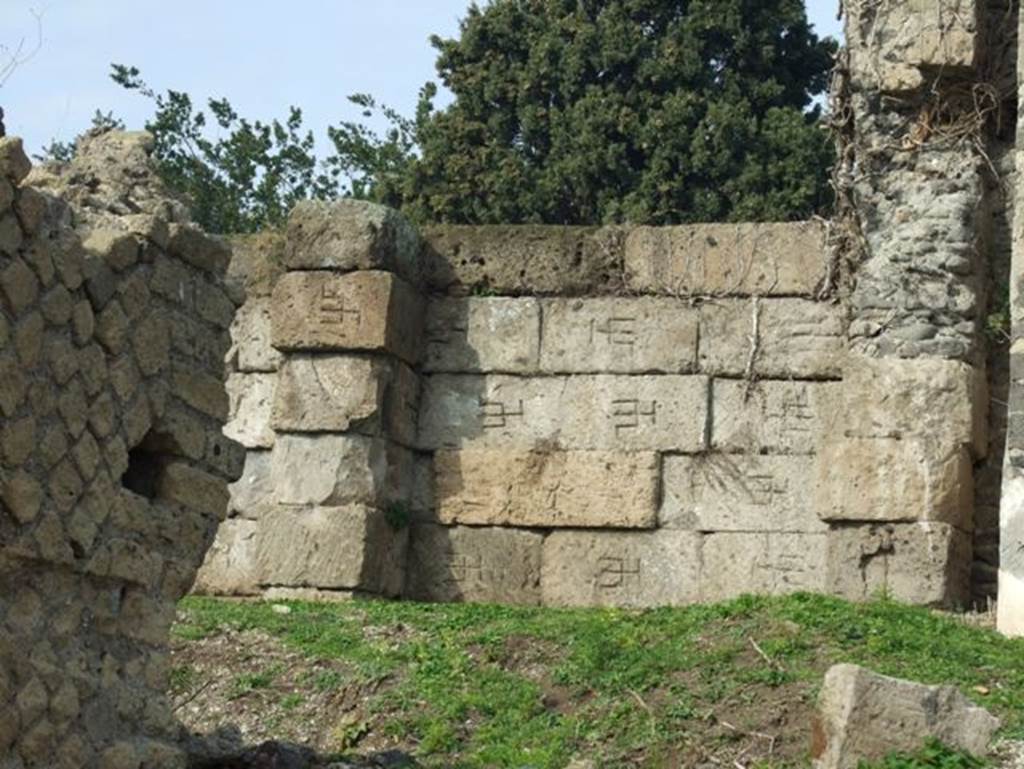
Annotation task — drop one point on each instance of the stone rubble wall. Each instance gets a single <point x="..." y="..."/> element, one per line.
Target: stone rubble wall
<point x="582" y="416"/>
<point x="113" y="467"/>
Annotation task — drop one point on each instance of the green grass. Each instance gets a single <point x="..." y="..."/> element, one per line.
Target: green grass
<point x="483" y="686"/>
<point x="934" y="755"/>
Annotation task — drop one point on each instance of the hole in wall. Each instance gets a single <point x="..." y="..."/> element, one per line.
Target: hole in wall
<point x="147" y="462"/>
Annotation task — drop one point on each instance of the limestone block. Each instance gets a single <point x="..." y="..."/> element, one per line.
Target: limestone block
<point x="485" y="565"/>
<point x="888" y="479"/>
<point x="920" y="563"/>
<point x="761" y="563"/>
<point x="726" y="259"/>
<point x="547" y="489"/>
<point x="255" y="488"/>
<point x="355" y="311"/>
<point x="602" y="413"/>
<point x="739" y="493"/>
<point x="608" y="568"/>
<point x="863" y="717"/>
<point x="331" y="470"/>
<point x="250" y="335"/>
<point x="349" y="235"/>
<point x="350" y="547"/>
<point x="251" y="401"/>
<point x="619" y="335"/>
<point x="482" y="334"/>
<point x="230" y="565"/>
<point x="772" y="416"/>
<point x="795" y="338"/>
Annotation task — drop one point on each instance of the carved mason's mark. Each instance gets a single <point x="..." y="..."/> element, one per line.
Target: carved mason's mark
<point x="615" y="571"/>
<point x="496" y="414"/>
<point x="794" y="412"/>
<point x="630" y="413"/>
<point x="620" y="332"/>
<point x="462" y="567"/>
<point x="764" y="489"/>
<point x="332" y="311"/>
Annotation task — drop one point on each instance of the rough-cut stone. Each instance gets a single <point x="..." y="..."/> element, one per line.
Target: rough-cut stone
<point x="794" y="338"/>
<point x="331" y="393"/>
<point x="351" y="547"/>
<point x="14" y="163"/>
<point x="619" y="335"/>
<point x="618" y="413"/>
<point x="726" y="259"/>
<point x="920" y="563"/>
<point x="252" y="401"/>
<point x="357" y="311"/>
<point x="482" y="334"/>
<point x="349" y="235"/>
<point x="486" y="565"/>
<point x="863" y="717"/>
<point x="761" y="563"/>
<point x="889" y="479"/>
<point x="255" y="488"/>
<point x="772" y="416"/>
<point x="739" y="493"/>
<point x="607" y="568"/>
<point x="230" y="565"/>
<point x="547" y="489"/>
<point x="250" y="334"/>
<point x="257" y="261"/>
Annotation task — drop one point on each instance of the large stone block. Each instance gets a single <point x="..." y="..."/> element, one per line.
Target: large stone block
<point x="230" y="565"/>
<point x="919" y="563"/>
<point x="794" y="338"/>
<point x="251" y="399"/>
<point x="863" y="717"/>
<point x="761" y="563"/>
<point x="322" y="311"/>
<point x="739" y="493"/>
<point x="889" y="479"/>
<point x="255" y="488"/>
<point x="483" y="334"/>
<point x="489" y="565"/>
<point x="772" y="417"/>
<point x="547" y="489"/>
<point x="632" y="335"/>
<point x="603" y="413"/>
<point x="727" y="259"/>
<point x="608" y="568"/>
<point x="332" y="548"/>
<point x="250" y="336"/>
<point x="332" y="470"/>
<point x="349" y="235"/>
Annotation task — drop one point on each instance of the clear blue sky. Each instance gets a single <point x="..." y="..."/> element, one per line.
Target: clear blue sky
<point x="262" y="54"/>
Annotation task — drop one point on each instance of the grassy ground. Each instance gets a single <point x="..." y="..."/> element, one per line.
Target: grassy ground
<point x="484" y="686"/>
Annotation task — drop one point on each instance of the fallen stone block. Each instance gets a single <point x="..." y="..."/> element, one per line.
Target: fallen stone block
<point x="483" y="565"/>
<point x="583" y="489"/>
<point x="251" y="400"/>
<point x="230" y="565"/>
<point x="482" y="334"/>
<point x="634" y="335"/>
<point x="864" y="716"/>
<point x="325" y="311"/>
<point x="761" y="563"/>
<point x="609" y="568"/>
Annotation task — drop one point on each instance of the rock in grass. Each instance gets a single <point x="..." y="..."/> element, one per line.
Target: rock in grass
<point x="866" y="716"/>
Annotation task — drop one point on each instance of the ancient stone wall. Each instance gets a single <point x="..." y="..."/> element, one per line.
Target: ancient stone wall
<point x="113" y="466"/>
<point x="583" y="416"/>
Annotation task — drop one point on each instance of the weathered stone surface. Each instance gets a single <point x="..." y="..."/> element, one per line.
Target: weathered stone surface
<point x="194" y="488"/>
<point x="619" y="335"/>
<point x="489" y="565"/>
<point x="772" y="417"/>
<point x="349" y="235"/>
<point x="257" y="261"/>
<point x="726" y="259"/>
<point x="14" y="163"/>
<point x="761" y="563"/>
<point x="863" y="716"/>
<point x="230" y="565"/>
<point x="250" y="336"/>
<point x="255" y="488"/>
<point x="331" y="393"/>
<point x="607" y="568"/>
<point x="920" y="563"/>
<point x="547" y="489"/>
<point x="252" y="401"/>
<point x="356" y="311"/>
<point x="522" y="259"/>
<point x="351" y="547"/>
<point x="619" y="413"/>
<point x="332" y="470"/>
<point x="739" y="493"/>
<point x="482" y="334"/>
<point x="794" y="338"/>
<point x="889" y="479"/>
